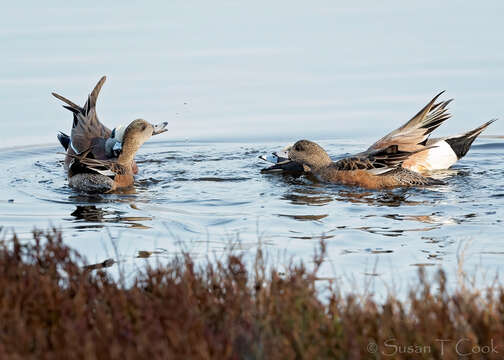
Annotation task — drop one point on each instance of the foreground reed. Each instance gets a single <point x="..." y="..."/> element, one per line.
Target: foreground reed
<point x="51" y="306"/>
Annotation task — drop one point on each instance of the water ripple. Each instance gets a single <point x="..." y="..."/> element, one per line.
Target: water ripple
<point x="208" y="197"/>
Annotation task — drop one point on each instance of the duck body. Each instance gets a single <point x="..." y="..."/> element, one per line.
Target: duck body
<point x="426" y="154"/>
<point x="88" y="174"/>
<point x="398" y="177"/>
<point x="379" y="169"/>
<point x="92" y="183"/>
<point x="100" y="160"/>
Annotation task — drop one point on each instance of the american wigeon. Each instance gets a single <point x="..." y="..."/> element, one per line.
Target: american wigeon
<point x="98" y="159"/>
<point x="438" y="154"/>
<point x="377" y="169"/>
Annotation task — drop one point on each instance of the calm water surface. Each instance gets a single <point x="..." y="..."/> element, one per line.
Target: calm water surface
<point x="207" y="197"/>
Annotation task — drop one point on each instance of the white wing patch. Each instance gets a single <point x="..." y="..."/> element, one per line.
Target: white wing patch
<point x="105" y="172"/>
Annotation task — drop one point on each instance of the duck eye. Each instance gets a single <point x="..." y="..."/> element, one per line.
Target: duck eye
<point x="298" y="147"/>
<point x="143" y="127"/>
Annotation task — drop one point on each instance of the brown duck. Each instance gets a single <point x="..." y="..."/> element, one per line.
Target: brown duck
<point x="374" y="170"/>
<point x="99" y="159"/>
<point x="413" y="136"/>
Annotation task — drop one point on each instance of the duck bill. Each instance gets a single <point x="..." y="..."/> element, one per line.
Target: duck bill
<point x="281" y="163"/>
<point x="276" y="157"/>
<point x="286" y="166"/>
<point x="160" y="128"/>
<point x="276" y="167"/>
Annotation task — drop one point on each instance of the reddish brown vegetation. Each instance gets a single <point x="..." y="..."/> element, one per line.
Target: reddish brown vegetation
<point x="51" y="307"/>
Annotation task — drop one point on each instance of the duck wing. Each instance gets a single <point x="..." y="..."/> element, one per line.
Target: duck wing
<point x="85" y="163"/>
<point x="377" y="161"/>
<point x="86" y="125"/>
<point x="413" y="135"/>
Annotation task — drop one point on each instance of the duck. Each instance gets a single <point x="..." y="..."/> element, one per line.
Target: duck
<point x="439" y="153"/>
<point x="374" y="170"/>
<point x="97" y="159"/>
<point x="87" y="130"/>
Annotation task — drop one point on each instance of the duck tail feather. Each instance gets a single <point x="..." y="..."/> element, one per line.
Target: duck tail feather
<point x="74" y="110"/>
<point x="461" y="144"/>
<point x="71" y="105"/>
<point x="93" y="97"/>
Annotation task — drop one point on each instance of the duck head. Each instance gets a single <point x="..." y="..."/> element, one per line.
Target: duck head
<point x="309" y="154"/>
<point x="133" y="137"/>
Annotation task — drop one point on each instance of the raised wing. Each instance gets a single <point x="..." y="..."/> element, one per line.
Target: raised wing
<point x="86" y="125"/>
<point x="413" y="135"/>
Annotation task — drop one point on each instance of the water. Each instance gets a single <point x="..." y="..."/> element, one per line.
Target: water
<point x="234" y="71"/>
<point x="239" y="80"/>
<point x="206" y="198"/>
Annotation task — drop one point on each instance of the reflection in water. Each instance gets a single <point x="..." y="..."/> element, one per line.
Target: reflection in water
<point x="391" y="198"/>
<point x="306" y="237"/>
<point x="321" y="196"/>
<point x="93" y="214"/>
<point x="422" y="264"/>
<point x="213" y="179"/>
<point x="428" y="219"/>
<point x="305" y="217"/>
<point x="387" y="231"/>
<point x="435" y="218"/>
<point x="89" y="213"/>
<point x="307" y="200"/>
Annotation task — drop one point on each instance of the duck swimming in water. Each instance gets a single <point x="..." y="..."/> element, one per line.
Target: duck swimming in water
<point x="87" y="130"/>
<point x="378" y="169"/>
<point x="98" y="159"/>
<point x="86" y="173"/>
<point x="438" y="154"/>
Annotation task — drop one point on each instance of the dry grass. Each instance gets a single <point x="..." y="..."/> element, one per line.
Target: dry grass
<point x="53" y="307"/>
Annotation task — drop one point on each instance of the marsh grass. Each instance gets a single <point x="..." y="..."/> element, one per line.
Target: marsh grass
<point x="54" y="306"/>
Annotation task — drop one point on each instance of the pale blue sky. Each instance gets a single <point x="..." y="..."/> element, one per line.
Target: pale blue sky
<point x="251" y="70"/>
